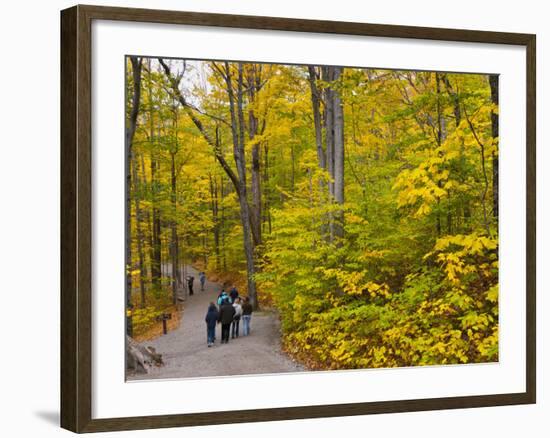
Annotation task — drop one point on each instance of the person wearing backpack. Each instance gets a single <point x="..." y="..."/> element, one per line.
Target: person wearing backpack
<point x="222" y="297"/>
<point x="225" y="318"/>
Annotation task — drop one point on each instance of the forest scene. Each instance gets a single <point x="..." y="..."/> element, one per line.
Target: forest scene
<point x="346" y="217"/>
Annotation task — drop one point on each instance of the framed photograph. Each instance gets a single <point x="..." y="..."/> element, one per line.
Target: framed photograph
<point x="269" y="218"/>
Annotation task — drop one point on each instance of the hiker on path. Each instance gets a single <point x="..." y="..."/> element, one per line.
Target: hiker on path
<point x="227" y="311"/>
<point x="202" y="279"/>
<point x="222" y="297"/>
<point x="247" y="315"/>
<point x="211" y="319"/>
<point x="190" y="281"/>
<point x="234" y="294"/>
<point x="236" y="318"/>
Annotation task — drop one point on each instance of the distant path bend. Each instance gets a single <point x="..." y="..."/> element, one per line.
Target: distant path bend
<point x="185" y="353"/>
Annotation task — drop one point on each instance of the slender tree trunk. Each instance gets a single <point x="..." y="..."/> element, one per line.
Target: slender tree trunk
<point x="316" y="106"/>
<point x="130" y="132"/>
<point x="215" y="219"/>
<point x="156" y="272"/>
<point x="493" y="81"/>
<point x="327" y="74"/>
<point x="458" y="118"/>
<point x="139" y="231"/>
<point x="266" y="219"/>
<point x="222" y="224"/>
<point x="292" y="167"/>
<point x="174" y="227"/>
<point x="148" y="229"/>
<point x="440" y="139"/>
<point x="484" y="173"/>
<point x="174" y="246"/>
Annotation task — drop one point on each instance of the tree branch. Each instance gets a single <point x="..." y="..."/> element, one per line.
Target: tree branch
<point x="189" y="111"/>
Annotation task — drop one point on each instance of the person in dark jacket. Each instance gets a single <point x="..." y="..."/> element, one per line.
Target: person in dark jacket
<point x="211" y="319"/>
<point x="227" y="312"/>
<point x="234" y="294"/>
<point x="190" y="282"/>
<point x="247" y="315"/>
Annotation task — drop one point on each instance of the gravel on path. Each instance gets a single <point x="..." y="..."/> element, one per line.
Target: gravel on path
<point x="185" y="352"/>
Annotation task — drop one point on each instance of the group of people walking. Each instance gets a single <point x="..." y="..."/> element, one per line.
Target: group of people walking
<point x="228" y="312"/>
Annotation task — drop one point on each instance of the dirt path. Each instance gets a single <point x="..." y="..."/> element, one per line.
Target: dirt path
<point x="186" y="354"/>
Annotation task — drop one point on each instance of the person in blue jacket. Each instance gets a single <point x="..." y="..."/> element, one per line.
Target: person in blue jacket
<point x="211" y="319"/>
<point x="222" y="297"/>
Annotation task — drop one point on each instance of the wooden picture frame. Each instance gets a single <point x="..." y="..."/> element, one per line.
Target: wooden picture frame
<point x="76" y="217"/>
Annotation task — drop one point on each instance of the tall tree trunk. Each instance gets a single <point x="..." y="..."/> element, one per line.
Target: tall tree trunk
<point x="292" y="167"/>
<point x="316" y="107"/>
<point x="139" y="231"/>
<point x="334" y="137"/>
<point x="130" y="132"/>
<point x="148" y="229"/>
<point x="493" y="82"/>
<point x="173" y="199"/>
<point x="215" y="218"/>
<point x="441" y="133"/>
<point x="255" y="184"/>
<point x="327" y="75"/>
<point x="156" y="273"/>
<point x="222" y="224"/>
<point x="156" y="263"/>
<point x="237" y="123"/>
<point x="338" y="157"/>
<point x="174" y="227"/>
